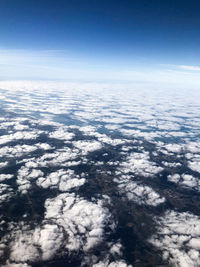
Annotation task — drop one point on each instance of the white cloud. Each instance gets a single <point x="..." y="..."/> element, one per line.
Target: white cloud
<point x="63" y="180"/>
<point x="22" y="150"/>
<point x="185" y="180"/>
<point x="19" y="135"/>
<point x="195" y="164"/>
<point x="25" y="178"/>
<point x="70" y="222"/>
<point x="78" y="216"/>
<point x="87" y="146"/>
<point x="16" y="151"/>
<point x="178" y="237"/>
<point x="191" y="68"/>
<point x="62" y="134"/>
<point x="139" y="193"/>
<point x="140" y="164"/>
<point x="22" y="248"/>
<point x="3" y="164"/>
<point x="49" y="238"/>
<point x="120" y="263"/>
<point x="9" y="264"/>
<point x="6" y="193"/>
<point x="4" y="177"/>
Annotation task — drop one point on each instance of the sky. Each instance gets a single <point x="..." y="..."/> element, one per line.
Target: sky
<point x="140" y="41"/>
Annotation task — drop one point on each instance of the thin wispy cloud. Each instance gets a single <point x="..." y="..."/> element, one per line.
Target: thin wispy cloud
<point x="63" y="65"/>
<point x="190" y="68"/>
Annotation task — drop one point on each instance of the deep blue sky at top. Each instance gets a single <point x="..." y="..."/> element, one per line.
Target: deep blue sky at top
<point x="114" y="31"/>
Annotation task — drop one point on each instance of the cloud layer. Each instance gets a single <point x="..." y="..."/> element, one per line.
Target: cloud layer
<point x="93" y="176"/>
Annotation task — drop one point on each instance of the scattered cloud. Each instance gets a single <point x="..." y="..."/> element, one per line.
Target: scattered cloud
<point x="178" y="237"/>
<point x="138" y="138"/>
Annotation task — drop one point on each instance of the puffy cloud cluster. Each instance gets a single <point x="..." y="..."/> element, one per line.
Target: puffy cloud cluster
<point x="14" y="124"/>
<point x="4" y="177"/>
<point x="175" y="148"/>
<point x="139" y="193"/>
<point x="64" y="156"/>
<point x="140" y="164"/>
<point x="60" y="157"/>
<point x="6" y="193"/>
<point x="70" y="223"/>
<point x="25" y="178"/>
<point x="193" y="147"/>
<point x="178" y="236"/>
<point x="61" y="134"/>
<point x="19" y="136"/>
<point x="82" y="220"/>
<point x="110" y="141"/>
<point x="185" y="180"/>
<point x="190" y="149"/>
<point x="3" y="164"/>
<point x="87" y="146"/>
<point x="137" y="164"/>
<point x="21" y="150"/>
<point x="194" y="163"/>
<point x="61" y="179"/>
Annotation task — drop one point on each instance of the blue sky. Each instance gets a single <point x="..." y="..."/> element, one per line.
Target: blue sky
<point x="100" y="40"/>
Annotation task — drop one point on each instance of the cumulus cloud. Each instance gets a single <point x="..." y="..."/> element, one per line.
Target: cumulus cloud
<point x="63" y="180"/>
<point x="62" y="134"/>
<point x="21" y="150"/>
<point x="178" y="236"/>
<point x="194" y="164"/>
<point x="139" y="193"/>
<point x="78" y="216"/>
<point x="25" y="178"/>
<point x="4" y="177"/>
<point x="185" y="180"/>
<point x="87" y="146"/>
<point x="140" y="164"/>
<point x="3" y="164"/>
<point x="6" y="193"/>
<point x="70" y="222"/>
<point x="17" y="136"/>
<point x="60" y="157"/>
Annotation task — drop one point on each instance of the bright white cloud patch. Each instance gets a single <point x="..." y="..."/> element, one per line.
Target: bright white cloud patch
<point x="18" y="151"/>
<point x="6" y="193"/>
<point x="3" y="164"/>
<point x="79" y="218"/>
<point x="194" y="164"/>
<point x="17" y="136"/>
<point x="140" y="164"/>
<point x="185" y="180"/>
<point x="70" y="222"/>
<point x="63" y="180"/>
<point x="4" y="177"/>
<point x="61" y="134"/>
<point x="87" y="146"/>
<point x="141" y="194"/>
<point x="178" y="237"/>
<point x="25" y="178"/>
